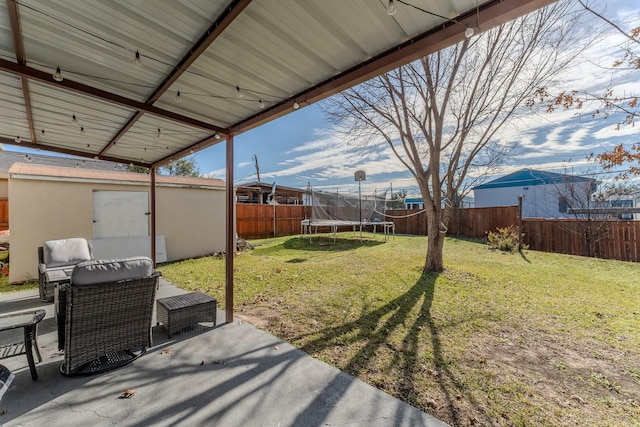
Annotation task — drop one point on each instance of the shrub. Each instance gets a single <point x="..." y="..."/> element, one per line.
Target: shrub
<point x="505" y="239"/>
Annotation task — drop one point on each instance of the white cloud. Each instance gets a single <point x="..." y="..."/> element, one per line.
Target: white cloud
<point x="611" y="132"/>
<point x="217" y="173"/>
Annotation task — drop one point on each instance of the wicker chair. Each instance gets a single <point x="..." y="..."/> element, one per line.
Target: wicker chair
<point x="109" y="308"/>
<point x="60" y="256"/>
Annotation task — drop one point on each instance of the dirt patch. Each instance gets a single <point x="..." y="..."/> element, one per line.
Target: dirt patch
<point x="561" y="363"/>
<point x="582" y="379"/>
<point x="260" y="317"/>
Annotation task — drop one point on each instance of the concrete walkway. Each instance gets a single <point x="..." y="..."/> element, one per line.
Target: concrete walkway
<point x="230" y="375"/>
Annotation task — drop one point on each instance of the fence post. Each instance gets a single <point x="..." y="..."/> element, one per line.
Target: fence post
<point x="520" y="226"/>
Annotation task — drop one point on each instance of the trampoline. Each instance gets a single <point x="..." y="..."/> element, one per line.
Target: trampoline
<point x="307" y="227"/>
<point x="335" y="210"/>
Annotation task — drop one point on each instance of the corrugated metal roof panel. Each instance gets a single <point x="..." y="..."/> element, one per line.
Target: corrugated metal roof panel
<point x="6" y="39"/>
<point x="13" y="114"/>
<point x="94" y="42"/>
<point x="53" y="111"/>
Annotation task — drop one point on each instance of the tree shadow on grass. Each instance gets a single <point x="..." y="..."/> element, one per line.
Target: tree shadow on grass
<point x="524" y="256"/>
<point x="376" y="331"/>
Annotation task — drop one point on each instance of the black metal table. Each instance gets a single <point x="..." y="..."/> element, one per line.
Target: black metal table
<point x="29" y="322"/>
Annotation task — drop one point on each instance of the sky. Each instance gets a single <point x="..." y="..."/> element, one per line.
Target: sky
<point x="303" y="148"/>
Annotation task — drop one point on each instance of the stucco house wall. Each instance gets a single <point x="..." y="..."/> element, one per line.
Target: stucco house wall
<point x="539" y="201"/>
<point x="543" y="193"/>
<point x="192" y="220"/>
<point x="53" y="203"/>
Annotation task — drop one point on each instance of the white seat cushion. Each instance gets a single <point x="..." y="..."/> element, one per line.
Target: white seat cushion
<point x="57" y="253"/>
<point x="111" y="270"/>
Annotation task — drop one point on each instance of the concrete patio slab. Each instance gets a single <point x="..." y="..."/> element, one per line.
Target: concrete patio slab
<point x="230" y="375"/>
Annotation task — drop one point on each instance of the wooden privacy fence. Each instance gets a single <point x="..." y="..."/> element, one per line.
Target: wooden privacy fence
<point x="4" y="214"/>
<point x="475" y="222"/>
<point x="617" y="240"/>
<point x="257" y="221"/>
<point x="408" y="221"/>
<point x="471" y="222"/>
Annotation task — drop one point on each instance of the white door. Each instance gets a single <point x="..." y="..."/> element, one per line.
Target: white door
<point x="120" y="214"/>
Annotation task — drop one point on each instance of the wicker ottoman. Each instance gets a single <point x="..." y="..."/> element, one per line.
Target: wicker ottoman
<point x="176" y="313"/>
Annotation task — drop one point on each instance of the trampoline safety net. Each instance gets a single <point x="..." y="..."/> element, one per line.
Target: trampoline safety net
<point x="347" y="207"/>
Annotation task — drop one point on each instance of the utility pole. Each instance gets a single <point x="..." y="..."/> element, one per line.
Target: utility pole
<point x="360" y="176"/>
<point x="255" y="159"/>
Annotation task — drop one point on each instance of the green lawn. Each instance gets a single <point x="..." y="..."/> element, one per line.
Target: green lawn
<point x="5" y="287"/>
<point x="497" y="339"/>
<point x="502" y="339"/>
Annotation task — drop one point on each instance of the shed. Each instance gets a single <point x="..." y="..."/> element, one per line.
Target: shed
<point x="111" y="208"/>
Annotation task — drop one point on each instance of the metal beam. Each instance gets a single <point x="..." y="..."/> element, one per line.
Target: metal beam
<point x="213" y="32"/>
<point x="132" y="121"/>
<point x="200" y="145"/>
<point x="61" y="150"/>
<point x="18" y="44"/>
<point x="491" y="14"/>
<point x="43" y="77"/>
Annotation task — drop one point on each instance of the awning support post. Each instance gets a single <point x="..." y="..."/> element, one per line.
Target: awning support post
<point x="230" y="234"/>
<point x="152" y="171"/>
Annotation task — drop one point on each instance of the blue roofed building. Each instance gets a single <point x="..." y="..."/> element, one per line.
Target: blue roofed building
<point x="415" y="202"/>
<point x="545" y="194"/>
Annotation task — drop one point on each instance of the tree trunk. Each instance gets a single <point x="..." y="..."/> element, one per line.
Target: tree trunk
<point x="435" y="244"/>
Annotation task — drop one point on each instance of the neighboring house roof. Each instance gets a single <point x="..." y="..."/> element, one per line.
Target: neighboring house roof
<point x="418" y="199"/>
<point x="531" y="177"/>
<point x="413" y="199"/>
<point x="8" y="158"/>
<point x="65" y="173"/>
<point x="268" y="187"/>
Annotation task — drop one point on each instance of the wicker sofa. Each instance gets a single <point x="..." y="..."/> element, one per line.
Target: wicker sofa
<point x="60" y="256"/>
<point x="108" y="312"/>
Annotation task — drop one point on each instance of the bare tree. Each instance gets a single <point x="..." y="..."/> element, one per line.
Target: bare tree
<point x="628" y="60"/>
<point x="576" y="199"/>
<point x="592" y="205"/>
<point x="610" y="100"/>
<point x="441" y="114"/>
